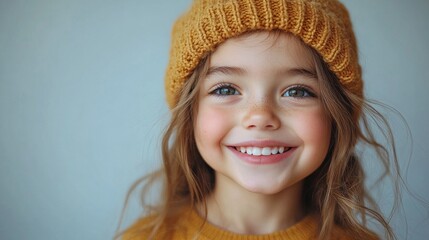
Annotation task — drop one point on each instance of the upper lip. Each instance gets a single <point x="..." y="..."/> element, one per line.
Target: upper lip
<point x="261" y="144"/>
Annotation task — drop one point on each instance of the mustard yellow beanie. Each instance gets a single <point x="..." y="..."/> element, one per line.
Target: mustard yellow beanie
<point x="322" y="24"/>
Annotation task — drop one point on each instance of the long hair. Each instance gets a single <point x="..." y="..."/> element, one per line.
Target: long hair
<point x="185" y="176"/>
<point x="335" y="190"/>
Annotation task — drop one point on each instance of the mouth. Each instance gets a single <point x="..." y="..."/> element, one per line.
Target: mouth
<point x="262" y="151"/>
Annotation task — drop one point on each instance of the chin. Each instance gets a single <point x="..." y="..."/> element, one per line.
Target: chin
<point x="265" y="187"/>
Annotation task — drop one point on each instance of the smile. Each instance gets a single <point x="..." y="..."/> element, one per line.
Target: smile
<point x="264" y="151"/>
<point x="262" y="154"/>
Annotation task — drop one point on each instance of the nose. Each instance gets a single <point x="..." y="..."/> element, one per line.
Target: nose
<point x="261" y="117"/>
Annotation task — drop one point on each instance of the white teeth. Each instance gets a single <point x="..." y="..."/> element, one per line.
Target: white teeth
<point x="265" y="151"/>
<point x="256" y="151"/>
<point x="274" y="150"/>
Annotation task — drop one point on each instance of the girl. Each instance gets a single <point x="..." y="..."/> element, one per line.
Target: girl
<point x="266" y="102"/>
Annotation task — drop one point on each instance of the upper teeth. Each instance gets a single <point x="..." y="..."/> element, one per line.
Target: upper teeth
<point x="257" y="151"/>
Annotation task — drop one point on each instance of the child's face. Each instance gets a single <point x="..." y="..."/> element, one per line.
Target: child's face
<point x="261" y="97"/>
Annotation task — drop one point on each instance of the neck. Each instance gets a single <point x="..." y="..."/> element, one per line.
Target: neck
<point x="238" y="210"/>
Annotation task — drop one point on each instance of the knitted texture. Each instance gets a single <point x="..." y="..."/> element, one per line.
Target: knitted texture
<point x="322" y="24"/>
<point x="192" y="226"/>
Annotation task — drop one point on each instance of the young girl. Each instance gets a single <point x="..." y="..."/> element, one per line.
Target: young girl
<point x="266" y="102"/>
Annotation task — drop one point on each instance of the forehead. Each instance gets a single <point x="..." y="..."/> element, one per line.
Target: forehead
<point x="274" y="48"/>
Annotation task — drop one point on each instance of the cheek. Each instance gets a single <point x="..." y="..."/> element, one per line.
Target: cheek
<point x="314" y="129"/>
<point x="210" y="127"/>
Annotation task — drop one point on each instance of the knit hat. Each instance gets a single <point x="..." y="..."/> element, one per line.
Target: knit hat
<point x="322" y="24"/>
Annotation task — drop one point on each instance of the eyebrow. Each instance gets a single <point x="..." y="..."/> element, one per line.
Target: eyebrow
<point x="227" y="70"/>
<point x="311" y="73"/>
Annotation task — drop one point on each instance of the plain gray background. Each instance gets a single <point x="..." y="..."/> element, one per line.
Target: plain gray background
<point x="82" y="106"/>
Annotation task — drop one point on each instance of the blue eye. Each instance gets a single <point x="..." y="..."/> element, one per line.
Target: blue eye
<point x="298" y="92"/>
<point x="225" y="90"/>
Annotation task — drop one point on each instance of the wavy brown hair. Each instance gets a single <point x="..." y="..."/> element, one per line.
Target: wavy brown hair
<point x="335" y="190"/>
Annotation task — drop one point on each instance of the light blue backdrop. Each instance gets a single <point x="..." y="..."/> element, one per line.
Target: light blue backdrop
<point x="82" y="105"/>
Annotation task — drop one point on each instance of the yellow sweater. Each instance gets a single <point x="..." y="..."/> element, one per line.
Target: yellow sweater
<point x="192" y="226"/>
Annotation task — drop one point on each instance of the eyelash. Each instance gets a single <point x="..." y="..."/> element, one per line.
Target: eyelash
<point x="306" y="90"/>
<point x="221" y="86"/>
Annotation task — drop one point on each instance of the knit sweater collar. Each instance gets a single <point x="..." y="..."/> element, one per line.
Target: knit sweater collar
<point x="304" y="229"/>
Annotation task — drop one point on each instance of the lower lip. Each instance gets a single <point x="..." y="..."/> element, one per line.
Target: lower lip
<point x="262" y="159"/>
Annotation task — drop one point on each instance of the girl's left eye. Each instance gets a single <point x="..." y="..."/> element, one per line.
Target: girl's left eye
<point x="298" y="92"/>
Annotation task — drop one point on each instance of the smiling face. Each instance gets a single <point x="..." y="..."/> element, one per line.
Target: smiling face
<point x="260" y="123"/>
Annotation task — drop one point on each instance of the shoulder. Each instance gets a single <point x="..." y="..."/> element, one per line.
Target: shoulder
<point x="139" y="230"/>
<point x="341" y="234"/>
<point x="156" y="228"/>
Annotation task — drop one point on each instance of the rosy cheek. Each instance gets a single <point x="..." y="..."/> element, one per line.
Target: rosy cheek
<point x="207" y="121"/>
<point x="313" y="128"/>
<point x="211" y="126"/>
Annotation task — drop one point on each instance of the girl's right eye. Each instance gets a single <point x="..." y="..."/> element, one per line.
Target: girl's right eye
<point x="225" y="90"/>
